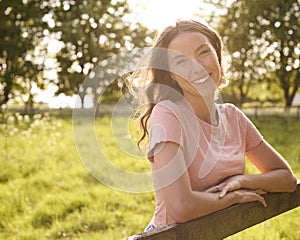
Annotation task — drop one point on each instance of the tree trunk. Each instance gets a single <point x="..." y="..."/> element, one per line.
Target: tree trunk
<point x="29" y="108"/>
<point x="7" y="88"/>
<point x="290" y="96"/>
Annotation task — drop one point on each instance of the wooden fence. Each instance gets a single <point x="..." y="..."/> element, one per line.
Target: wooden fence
<point x="104" y="109"/>
<point x="256" y="112"/>
<point x="226" y="222"/>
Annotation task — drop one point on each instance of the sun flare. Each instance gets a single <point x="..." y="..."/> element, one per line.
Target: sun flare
<point x="157" y="14"/>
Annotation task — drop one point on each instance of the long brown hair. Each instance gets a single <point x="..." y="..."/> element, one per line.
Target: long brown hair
<point x="161" y="76"/>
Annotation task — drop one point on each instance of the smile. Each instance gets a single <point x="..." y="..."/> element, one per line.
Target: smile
<point x="201" y="80"/>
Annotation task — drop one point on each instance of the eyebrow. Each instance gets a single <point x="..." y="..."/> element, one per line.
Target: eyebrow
<point x="179" y="56"/>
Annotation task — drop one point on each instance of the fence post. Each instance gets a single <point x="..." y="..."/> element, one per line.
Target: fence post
<point x="256" y="112"/>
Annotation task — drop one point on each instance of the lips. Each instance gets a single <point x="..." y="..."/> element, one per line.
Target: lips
<point x="201" y="80"/>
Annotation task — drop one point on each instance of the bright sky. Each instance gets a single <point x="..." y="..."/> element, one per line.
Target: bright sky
<point x="158" y="14"/>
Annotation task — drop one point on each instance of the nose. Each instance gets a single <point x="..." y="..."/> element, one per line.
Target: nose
<point x="198" y="68"/>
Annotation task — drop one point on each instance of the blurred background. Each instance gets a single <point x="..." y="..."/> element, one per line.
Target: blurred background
<point x="47" y="50"/>
<point x="49" y="47"/>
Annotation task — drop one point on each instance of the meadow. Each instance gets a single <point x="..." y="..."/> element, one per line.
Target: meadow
<point x="46" y="191"/>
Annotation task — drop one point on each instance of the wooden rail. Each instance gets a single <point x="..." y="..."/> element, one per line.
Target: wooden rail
<point x="228" y="221"/>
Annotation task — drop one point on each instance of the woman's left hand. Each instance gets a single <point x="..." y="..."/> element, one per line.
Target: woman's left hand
<point x="228" y="185"/>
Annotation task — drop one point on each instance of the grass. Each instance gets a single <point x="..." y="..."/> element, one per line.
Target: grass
<point x="46" y="192"/>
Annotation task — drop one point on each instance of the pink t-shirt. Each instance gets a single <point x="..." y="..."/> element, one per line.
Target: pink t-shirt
<point x="212" y="153"/>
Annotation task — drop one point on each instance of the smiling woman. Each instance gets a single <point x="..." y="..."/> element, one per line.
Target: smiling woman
<point x="197" y="147"/>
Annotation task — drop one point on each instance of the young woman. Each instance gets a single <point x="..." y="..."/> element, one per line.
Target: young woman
<point x="196" y="147"/>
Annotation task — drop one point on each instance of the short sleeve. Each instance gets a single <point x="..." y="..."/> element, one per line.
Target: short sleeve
<point x="163" y="127"/>
<point x="252" y="136"/>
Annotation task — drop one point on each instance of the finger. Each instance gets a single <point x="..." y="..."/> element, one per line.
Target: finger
<point x="225" y="190"/>
<point x="223" y="193"/>
<point x="257" y="197"/>
<point x="260" y="192"/>
<point x="262" y="200"/>
<point x="229" y="187"/>
<point x="213" y="189"/>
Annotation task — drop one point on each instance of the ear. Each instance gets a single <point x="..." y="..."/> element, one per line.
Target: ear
<point x="223" y="82"/>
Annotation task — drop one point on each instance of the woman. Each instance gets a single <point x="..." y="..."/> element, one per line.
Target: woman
<point x="197" y="147"/>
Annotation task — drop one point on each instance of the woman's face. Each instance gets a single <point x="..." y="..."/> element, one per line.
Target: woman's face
<point x="193" y="63"/>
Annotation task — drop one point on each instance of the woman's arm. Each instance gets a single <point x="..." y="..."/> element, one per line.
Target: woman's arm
<point x="276" y="175"/>
<point x="171" y="178"/>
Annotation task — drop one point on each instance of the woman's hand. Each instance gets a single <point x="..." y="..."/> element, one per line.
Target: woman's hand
<point x="228" y="185"/>
<point x="246" y="195"/>
<point x="231" y="184"/>
<point x="241" y="195"/>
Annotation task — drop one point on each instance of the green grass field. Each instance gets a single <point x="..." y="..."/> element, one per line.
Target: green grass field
<point x="47" y="193"/>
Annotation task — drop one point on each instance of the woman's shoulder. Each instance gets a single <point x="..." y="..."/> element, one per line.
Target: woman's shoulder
<point x="165" y="106"/>
<point x="166" y="112"/>
<point x="230" y="108"/>
<point x="231" y="112"/>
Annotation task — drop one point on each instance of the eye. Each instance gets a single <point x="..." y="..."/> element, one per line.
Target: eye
<point x="181" y="61"/>
<point x="203" y="52"/>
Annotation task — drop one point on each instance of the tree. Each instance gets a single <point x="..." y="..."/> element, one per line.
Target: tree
<point x="279" y="30"/>
<point x="245" y="67"/>
<point x="240" y="47"/>
<point x="21" y="30"/>
<point x="263" y="39"/>
<point x="92" y="31"/>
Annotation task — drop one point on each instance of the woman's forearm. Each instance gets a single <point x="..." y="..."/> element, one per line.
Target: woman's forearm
<point x="278" y="180"/>
<point x="197" y="204"/>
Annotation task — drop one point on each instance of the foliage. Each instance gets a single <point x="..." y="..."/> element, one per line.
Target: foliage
<point x="262" y="39"/>
<point x="88" y="31"/>
<point x="21" y="30"/>
<point x="244" y="50"/>
<point x="278" y="27"/>
<point x="93" y="31"/>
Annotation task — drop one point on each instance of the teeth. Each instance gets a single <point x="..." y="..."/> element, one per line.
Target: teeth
<point x="201" y="80"/>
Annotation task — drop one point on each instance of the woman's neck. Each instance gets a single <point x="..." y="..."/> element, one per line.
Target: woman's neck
<point x="204" y="108"/>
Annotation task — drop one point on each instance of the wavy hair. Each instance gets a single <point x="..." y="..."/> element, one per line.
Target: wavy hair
<point x="157" y="72"/>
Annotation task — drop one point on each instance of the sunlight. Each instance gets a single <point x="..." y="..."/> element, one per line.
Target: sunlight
<point x="54" y="46"/>
<point x="157" y="14"/>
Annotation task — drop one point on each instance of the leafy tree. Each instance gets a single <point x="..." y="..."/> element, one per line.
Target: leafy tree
<point x="21" y="30"/>
<point x="245" y="65"/>
<point x="262" y="38"/>
<point x="93" y="31"/>
<point x="90" y="30"/>
<point x="278" y="26"/>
